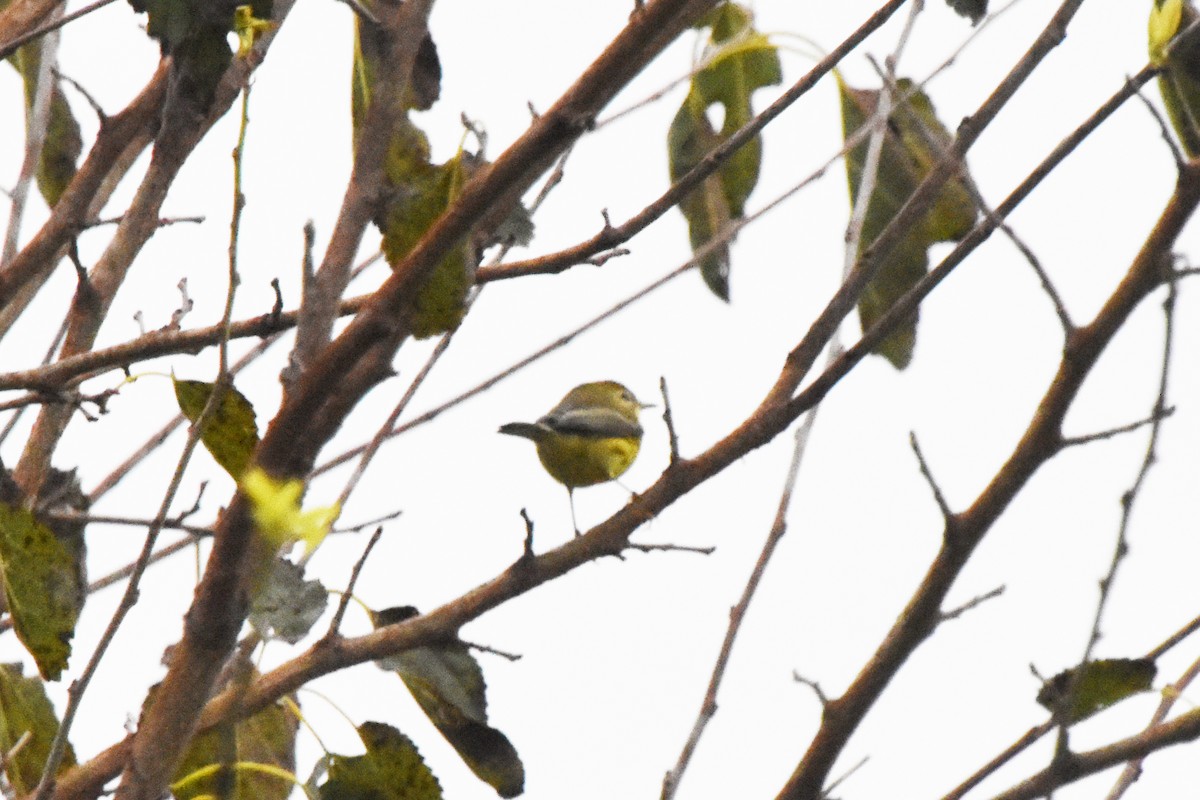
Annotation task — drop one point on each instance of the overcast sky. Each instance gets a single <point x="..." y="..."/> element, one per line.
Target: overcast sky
<point x="616" y="655"/>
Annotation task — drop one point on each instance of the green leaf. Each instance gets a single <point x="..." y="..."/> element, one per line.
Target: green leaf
<point x="975" y="10"/>
<point x="230" y="433"/>
<point x="739" y="60"/>
<point x="448" y="684"/>
<point x="1176" y="50"/>
<point x="24" y="708"/>
<point x="418" y="191"/>
<point x="1095" y="686"/>
<point x="275" y="508"/>
<point x="63" y="144"/>
<point x="421" y="193"/>
<point x="391" y="769"/>
<point x="706" y="208"/>
<point x="424" y="87"/>
<point x="267" y="738"/>
<point x="287" y="606"/>
<point x="41" y="582"/>
<point x="194" y="34"/>
<point x="911" y="146"/>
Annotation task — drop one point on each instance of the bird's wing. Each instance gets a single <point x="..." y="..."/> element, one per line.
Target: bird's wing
<point x="598" y="422"/>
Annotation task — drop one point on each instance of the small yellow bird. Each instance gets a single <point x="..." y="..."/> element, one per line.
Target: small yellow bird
<point x="590" y="437"/>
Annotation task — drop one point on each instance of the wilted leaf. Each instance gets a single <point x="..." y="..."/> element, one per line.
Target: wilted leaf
<point x="41" y="583"/>
<point x="391" y="769"/>
<point x="24" y="708"/>
<point x="194" y="34"/>
<point x="230" y="433"/>
<point x="268" y="737"/>
<point x="287" y="606"/>
<point x="424" y="87"/>
<point x="739" y="61"/>
<point x="448" y="684"/>
<point x="1096" y="685"/>
<point x="275" y="508"/>
<point x="974" y="10"/>
<point x="1176" y="49"/>
<point x="249" y="29"/>
<point x="63" y="143"/>
<point x="911" y="146"/>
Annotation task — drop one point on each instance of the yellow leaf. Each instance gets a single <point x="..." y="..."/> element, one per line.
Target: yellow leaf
<point x="248" y="28"/>
<point x="275" y="508"/>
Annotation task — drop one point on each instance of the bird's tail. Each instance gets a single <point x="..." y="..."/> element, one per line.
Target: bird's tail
<point x="527" y="430"/>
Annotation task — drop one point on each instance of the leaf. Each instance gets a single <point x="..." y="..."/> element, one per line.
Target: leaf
<point x="266" y="738"/>
<point x="1096" y="685"/>
<point x="287" y="606"/>
<point x="391" y="769"/>
<point x="448" y="684"/>
<point x="706" y="207"/>
<point x="63" y="143"/>
<point x="1176" y="50"/>
<point x="911" y="147"/>
<point x="975" y="10"/>
<point x="739" y="60"/>
<point x="24" y="708"/>
<point x="230" y="433"/>
<point x="41" y="583"/>
<point x="249" y="29"/>
<point x="425" y="85"/>
<point x="421" y="193"/>
<point x="193" y="33"/>
<point x="275" y="508"/>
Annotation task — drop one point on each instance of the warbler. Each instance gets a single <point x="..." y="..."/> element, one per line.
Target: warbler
<point x="590" y="437"/>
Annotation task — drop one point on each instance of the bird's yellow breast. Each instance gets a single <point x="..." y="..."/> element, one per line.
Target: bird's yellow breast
<point x="586" y="460"/>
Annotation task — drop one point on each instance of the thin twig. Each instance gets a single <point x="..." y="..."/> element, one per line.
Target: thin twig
<point x="37" y="122"/>
<point x="1074" y="441"/>
<point x="938" y="496"/>
<point x="336" y="623"/>
<point x="1173" y="639"/>
<point x="483" y="648"/>
<point x="974" y="602"/>
<point x="8" y="48"/>
<point x="1170" y="696"/>
<point x="671" y="548"/>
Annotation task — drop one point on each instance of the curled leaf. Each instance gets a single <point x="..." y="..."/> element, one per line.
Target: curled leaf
<point x="448" y="684"/>
<point x="249" y="29"/>
<point x="738" y="61"/>
<point x="275" y="508"/>
<point x="286" y="606"/>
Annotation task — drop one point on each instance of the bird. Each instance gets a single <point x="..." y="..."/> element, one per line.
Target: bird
<point x="592" y="436"/>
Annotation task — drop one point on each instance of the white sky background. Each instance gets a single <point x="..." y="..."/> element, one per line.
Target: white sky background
<point x="617" y="654"/>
